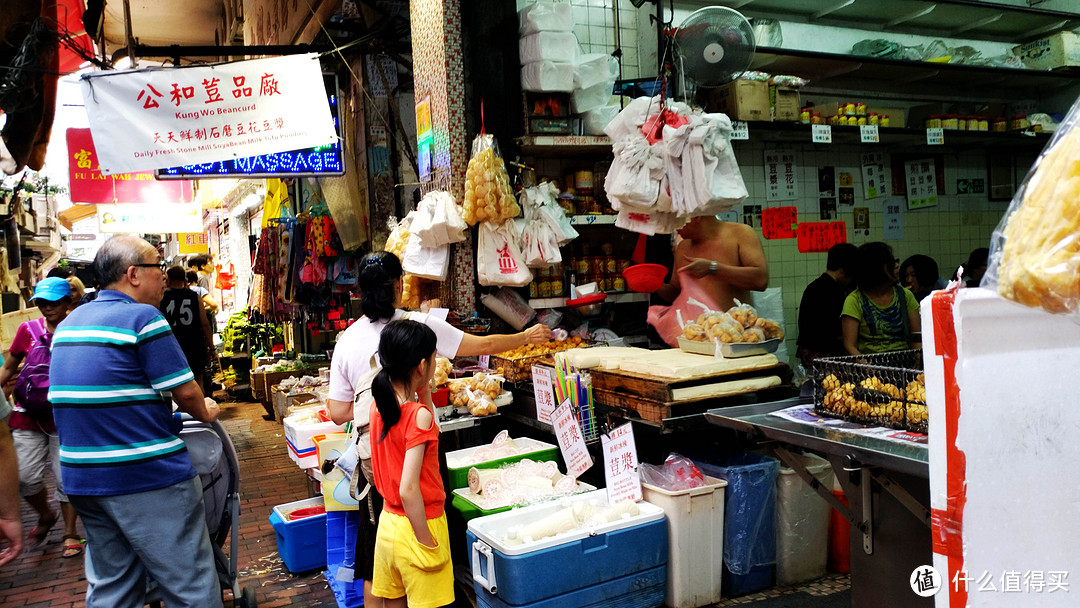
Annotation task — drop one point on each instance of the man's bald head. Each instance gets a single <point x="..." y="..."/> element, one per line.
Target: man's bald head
<point x="117" y="255"/>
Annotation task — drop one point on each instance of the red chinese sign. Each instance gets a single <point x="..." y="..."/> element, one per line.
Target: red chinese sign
<point x="88" y="185"/>
<point x="779" y="222"/>
<point x="819" y="237"/>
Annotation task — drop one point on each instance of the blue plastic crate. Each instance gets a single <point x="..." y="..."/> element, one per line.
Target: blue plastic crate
<point x="301" y="543"/>
<point x="341" y="530"/>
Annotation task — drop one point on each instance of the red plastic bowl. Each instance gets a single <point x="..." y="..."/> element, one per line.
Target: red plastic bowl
<point x="645" y="278"/>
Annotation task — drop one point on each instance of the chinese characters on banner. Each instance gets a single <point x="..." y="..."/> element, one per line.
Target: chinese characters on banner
<point x="921" y="183"/>
<point x="543" y="392"/>
<point x="621" y="465"/>
<point x="88" y="185"/>
<point x="193" y="242"/>
<point x="779" y="222"/>
<point x="818" y="237"/>
<point x="158" y="118"/>
<point x="893" y="222"/>
<point x="780" y="181"/>
<point x="873" y="172"/>
<point x="571" y="443"/>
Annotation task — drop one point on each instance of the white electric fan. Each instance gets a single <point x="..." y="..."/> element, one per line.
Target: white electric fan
<point x="712" y="47"/>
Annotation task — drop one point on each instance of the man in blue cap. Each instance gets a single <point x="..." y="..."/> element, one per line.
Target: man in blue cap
<point x="31" y="420"/>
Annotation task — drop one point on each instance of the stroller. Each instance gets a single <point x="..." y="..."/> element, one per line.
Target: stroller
<point x="215" y="460"/>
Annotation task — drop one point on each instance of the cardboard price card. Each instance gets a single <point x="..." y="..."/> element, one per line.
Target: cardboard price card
<point x="621" y="465"/>
<point x="819" y="237"/>
<point x="571" y="443"/>
<point x="779" y="222"/>
<point x="544" y="393"/>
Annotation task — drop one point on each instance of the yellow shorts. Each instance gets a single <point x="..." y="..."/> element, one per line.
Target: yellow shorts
<point x="404" y="567"/>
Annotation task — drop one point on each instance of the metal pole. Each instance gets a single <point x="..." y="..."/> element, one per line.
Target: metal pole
<point x="127" y="33"/>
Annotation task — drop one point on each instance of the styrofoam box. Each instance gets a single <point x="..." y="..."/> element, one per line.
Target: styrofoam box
<point x="298" y="439"/>
<point x="545" y="17"/>
<point x="459" y="462"/>
<point x="560" y="47"/>
<point x="621" y="563"/>
<point x="547" y="77"/>
<point x="802" y="523"/>
<point x="695" y="520"/>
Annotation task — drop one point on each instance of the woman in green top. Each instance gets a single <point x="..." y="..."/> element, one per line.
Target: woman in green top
<point x="880" y="315"/>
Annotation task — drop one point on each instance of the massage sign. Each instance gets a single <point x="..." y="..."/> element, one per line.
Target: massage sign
<point x="166" y="117"/>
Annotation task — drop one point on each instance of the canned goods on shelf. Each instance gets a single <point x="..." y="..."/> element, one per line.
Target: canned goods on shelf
<point x="984" y="123"/>
<point x="933" y="121"/>
<point x="872" y="118"/>
<point x="860" y="109"/>
<point x="950" y="122"/>
<point x="883" y="120"/>
<point x="804" y="117"/>
<point x="849" y="109"/>
<point x="999" y="124"/>
<point x="544" y="290"/>
<point x="861" y="120"/>
<point x="815" y="119"/>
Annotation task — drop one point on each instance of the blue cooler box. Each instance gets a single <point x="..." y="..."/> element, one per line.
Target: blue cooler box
<point x="301" y="542"/>
<point x="622" y="563"/>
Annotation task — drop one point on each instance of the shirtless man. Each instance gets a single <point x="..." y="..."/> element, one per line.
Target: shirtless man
<point x="725" y="257"/>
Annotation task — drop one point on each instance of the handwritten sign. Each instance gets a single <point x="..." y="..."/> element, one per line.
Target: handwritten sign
<point x="543" y="392"/>
<point x="821" y="134"/>
<point x="935" y="137"/>
<point x="921" y="183"/>
<point x="893" y="220"/>
<point x="571" y="443"/>
<point x="621" y="465"/>
<point x="779" y="222"/>
<point x="818" y="237"/>
<point x="484" y="361"/>
<point x="781" y="183"/>
<point x="873" y="173"/>
<point x="740" y="130"/>
<point x="868" y="134"/>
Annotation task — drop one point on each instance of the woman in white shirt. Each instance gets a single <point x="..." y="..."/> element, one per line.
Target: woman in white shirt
<point x="379" y="282"/>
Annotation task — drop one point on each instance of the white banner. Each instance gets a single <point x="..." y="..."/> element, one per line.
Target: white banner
<point x="166" y="117"/>
<point x="150" y="218"/>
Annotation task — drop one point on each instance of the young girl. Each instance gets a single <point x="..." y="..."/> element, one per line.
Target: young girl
<point x="412" y="552"/>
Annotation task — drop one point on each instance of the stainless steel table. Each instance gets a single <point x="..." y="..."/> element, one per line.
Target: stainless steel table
<point x="886" y="484"/>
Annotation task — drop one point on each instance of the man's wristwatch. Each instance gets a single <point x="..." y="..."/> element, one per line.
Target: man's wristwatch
<point x="713" y="266"/>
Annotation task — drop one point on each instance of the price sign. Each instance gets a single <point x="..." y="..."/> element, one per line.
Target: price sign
<point x="779" y="222"/>
<point x="818" y="237"/>
<point x="821" y="134"/>
<point x="740" y="130"/>
<point x="935" y="137"/>
<point x="571" y="443"/>
<point x="543" y="392"/>
<point x="868" y="134"/>
<point x="484" y="361"/>
<point x="621" y="465"/>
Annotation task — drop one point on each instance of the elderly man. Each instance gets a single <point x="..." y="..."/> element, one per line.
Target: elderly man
<point x="124" y="468"/>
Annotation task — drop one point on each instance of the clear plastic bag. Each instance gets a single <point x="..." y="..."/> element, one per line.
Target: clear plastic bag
<point x="677" y="473"/>
<point x="560" y="47"/>
<point x="545" y="17"/>
<point x="488" y="197"/>
<point x="1035" y="250"/>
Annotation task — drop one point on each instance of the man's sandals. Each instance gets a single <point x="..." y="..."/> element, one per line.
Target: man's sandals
<point x="39" y="533"/>
<point x="73" y="545"/>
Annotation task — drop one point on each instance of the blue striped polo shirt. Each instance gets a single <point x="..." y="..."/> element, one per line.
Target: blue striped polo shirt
<point x="110" y="359"/>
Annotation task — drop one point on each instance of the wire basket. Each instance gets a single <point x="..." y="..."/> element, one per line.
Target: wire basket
<point x="884" y="389"/>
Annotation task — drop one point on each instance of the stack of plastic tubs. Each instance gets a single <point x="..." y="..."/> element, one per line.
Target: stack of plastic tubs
<point x="695" y="520"/>
<point x="802" y="523"/>
<point x="749" y="520"/>
<point x="341" y="529"/>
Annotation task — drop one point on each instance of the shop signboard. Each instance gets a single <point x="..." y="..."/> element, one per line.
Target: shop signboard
<point x="543" y="392"/>
<point x="621" y="465"/>
<point x="571" y="443"/>
<point x="166" y="117"/>
<point x="88" y="185"/>
<point x="193" y="242"/>
<point x="150" y="218"/>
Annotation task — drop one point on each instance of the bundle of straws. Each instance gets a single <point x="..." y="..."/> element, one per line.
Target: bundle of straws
<point x="577" y="387"/>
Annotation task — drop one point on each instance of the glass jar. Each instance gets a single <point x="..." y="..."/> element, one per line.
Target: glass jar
<point x="834" y="120"/>
<point x="804" y="116"/>
<point x="1018" y="122"/>
<point x="623" y="265"/>
<point x="984" y="123"/>
<point x="556" y="287"/>
<point x="861" y="120"/>
<point x="999" y="124"/>
<point x="950" y="122"/>
<point x="618" y="284"/>
<point x="534" y="290"/>
<point x="860" y="109"/>
<point x="544" y="291"/>
<point x="815" y="119"/>
<point x="849" y="109"/>
<point x="872" y="118"/>
<point x="883" y="120"/>
<point x="933" y="121"/>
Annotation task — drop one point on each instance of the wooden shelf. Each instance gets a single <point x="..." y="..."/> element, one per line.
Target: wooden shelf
<point x="612" y="298"/>
<point x="564" y="145"/>
<point x="592" y="220"/>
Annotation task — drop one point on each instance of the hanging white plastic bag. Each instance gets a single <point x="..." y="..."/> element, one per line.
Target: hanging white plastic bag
<point x="424" y="226"/>
<point x="499" y="257"/>
<point x="426" y="262"/>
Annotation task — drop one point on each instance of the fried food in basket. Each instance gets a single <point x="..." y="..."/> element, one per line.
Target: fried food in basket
<point x="1041" y="257"/>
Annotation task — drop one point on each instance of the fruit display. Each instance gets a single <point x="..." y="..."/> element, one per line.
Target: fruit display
<point x="738" y="324"/>
<point x="488" y="197"/>
<point x="857" y="389"/>
<point x="516" y="365"/>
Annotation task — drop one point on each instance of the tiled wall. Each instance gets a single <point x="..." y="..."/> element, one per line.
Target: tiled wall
<point x="947" y="233"/>
<point x="595" y="29"/>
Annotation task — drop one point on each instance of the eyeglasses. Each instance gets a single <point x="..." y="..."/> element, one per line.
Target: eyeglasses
<point x="159" y="265"/>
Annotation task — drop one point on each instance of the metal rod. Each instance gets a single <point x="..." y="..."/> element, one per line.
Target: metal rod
<point x="228" y="50"/>
<point x="867" y="526"/>
<point x="127" y="33"/>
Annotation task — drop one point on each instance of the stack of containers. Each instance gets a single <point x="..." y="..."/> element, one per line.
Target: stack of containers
<point x="548" y="48"/>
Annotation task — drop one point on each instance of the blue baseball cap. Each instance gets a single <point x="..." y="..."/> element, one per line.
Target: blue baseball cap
<point x="52" y="289"/>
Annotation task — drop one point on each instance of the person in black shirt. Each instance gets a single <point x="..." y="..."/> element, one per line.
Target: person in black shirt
<point x="821" y="305"/>
<point x="183" y="309"/>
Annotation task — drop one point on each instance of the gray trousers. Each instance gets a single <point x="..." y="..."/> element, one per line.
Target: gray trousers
<point x="159" y="532"/>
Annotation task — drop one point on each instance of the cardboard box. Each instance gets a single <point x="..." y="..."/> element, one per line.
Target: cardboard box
<point x="1055" y="51"/>
<point x="742" y="100"/>
<point x="896" y="115"/>
<point x="784" y="104"/>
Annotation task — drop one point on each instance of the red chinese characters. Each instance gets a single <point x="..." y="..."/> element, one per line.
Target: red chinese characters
<point x="268" y="86"/>
<point x="819" y="237"/>
<point x="149" y="102"/>
<point x="239" y="89"/>
<point x="212" y="93"/>
<point x="177" y="94"/>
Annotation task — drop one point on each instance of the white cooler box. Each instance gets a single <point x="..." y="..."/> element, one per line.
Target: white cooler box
<point x="622" y="563"/>
<point x="298" y="438"/>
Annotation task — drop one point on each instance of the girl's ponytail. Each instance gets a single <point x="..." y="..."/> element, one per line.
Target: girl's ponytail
<point x="403" y="345"/>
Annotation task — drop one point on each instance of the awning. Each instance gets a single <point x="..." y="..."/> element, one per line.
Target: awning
<point x="76" y="213"/>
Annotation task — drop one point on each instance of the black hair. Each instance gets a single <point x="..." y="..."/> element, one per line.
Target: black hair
<point x="842" y="257"/>
<point x="926" y="270"/>
<point x="403" y="344"/>
<point x="977" y="257"/>
<point x="176" y="273"/>
<point x="198" y="261"/>
<point x="63" y="273"/>
<point x="375" y="279"/>
<point x="870" y="266"/>
<point x="191" y="276"/>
